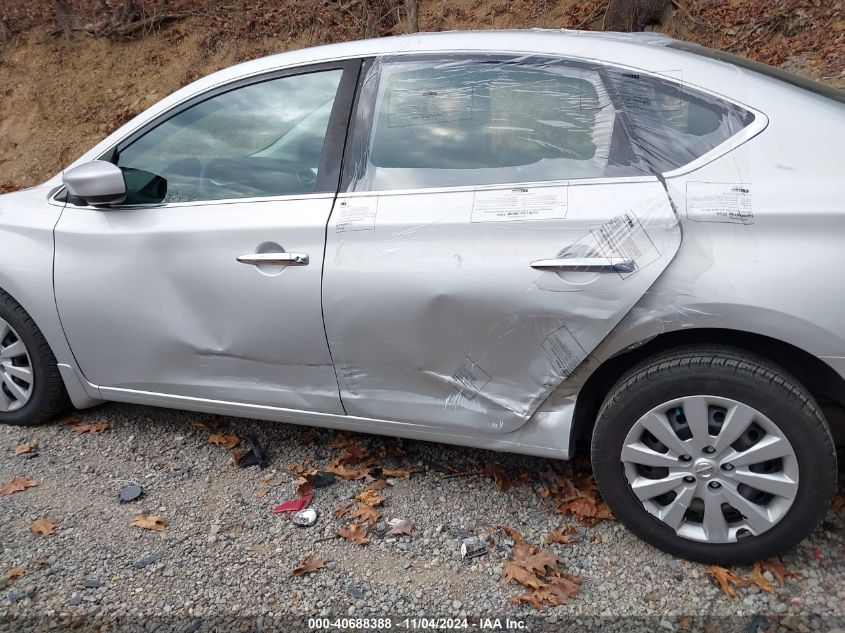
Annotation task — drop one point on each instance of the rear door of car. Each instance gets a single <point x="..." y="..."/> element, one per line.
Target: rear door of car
<point x="493" y="226"/>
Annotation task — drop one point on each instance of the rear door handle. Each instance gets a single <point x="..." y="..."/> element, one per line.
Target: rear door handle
<point x="277" y="259"/>
<point x="586" y="264"/>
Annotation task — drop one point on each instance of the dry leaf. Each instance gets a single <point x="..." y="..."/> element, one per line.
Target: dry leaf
<point x="337" y="468"/>
<point x="14" y="573"/>
<point x="261" y="493"/>
<point x="726" y="579"/>
<point x="42" y="526"/>
<point x="353" y="454"/>
<point x="309" y="565"/>
<point x="150" y="522"/>
<point x="538" y="562"/>
<point x="18" y="484"/>
<point x="367" y="513"/>
<point x="355" y="532"/>
<point x="202" y="426"/>
<point x="579" y="507"/>
<point x="516" y="535"/>
<point x="226" y="440"/>
<point x="403" y="526"/>
<point x="756" y="578"/>
<point x="499" y="474"/>
<point x="395" y="472"/>
<point x="28" y="447"/>
<point x="93" y="427"/>
<point x="378" y="484"/>
<point x="346" y="507"/>
<point x="306" y="468"/>
<point x="564" y="535"/>
<point x="776" y="568"/>
<point x="563" y="587"/>
<point x="371" y="498"/>
<point x="70" y="420"/>
<point x="513" y="570"/>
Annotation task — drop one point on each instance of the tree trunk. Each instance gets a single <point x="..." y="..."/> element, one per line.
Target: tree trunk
<point x="412" y="12"/>
<point x="65" y="17"/>
<point x="635" y="15"/>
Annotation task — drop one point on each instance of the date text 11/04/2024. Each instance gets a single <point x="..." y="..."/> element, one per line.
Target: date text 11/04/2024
<point x="363" y="624"/>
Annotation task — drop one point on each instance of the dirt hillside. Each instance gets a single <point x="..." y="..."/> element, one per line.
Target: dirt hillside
<point x="62" y="92"/>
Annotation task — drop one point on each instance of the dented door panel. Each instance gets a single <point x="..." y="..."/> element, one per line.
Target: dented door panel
<point x="179" y="315"/>
<point x="434" y="313"/>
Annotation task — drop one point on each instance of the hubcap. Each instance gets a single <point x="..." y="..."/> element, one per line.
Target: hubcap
<point x="712" y="469"/>
<point x="16" y="377"/>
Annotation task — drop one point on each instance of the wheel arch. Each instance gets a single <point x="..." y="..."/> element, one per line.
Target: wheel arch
<point x="79" y="393"/>
<point x="823" y="382"/>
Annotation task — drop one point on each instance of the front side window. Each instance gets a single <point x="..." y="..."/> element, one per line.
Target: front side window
<point x="263" y="139"/>
<point x="464" y="121"/>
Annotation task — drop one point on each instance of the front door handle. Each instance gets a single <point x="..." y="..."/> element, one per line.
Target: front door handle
<point x="277" y="259"/>
<point x="586" y="265"/>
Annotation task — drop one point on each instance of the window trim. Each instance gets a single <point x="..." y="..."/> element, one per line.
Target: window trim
<point x="328" y="173"/>
<point x="760" y="122"/>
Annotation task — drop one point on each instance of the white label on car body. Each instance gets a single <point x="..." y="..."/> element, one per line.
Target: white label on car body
<point x="563" y="351"/>
<point x="356" y="214"/>
<point x="520" y="204"/>
<point x="624" y="237"/>
<point x="719" y="202"/>
<point x="469" y="378"/>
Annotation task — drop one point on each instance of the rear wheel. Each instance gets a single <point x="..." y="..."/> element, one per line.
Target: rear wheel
<point x="31" y="388"/>
<point x="714" y="455"/>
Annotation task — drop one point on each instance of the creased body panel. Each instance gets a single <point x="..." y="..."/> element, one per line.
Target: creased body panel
<point x="153" y="299"/>
<point x="434" y="313"/>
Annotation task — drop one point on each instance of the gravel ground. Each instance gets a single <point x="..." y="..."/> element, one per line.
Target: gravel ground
<point x="224" y="561"/>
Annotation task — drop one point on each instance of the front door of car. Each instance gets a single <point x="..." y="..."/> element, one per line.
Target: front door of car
<point x="214" y="291"/>
<point x="494" y="226"/>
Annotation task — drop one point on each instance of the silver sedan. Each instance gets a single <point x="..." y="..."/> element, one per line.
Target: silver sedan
<point x="541" y="242"/>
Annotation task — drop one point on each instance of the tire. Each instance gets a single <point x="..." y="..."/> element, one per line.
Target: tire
<point x="47" y="396"/>
<point x="717" y="384"/>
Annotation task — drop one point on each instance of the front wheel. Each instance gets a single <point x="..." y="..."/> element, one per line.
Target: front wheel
<point x="31" y="388"/>
<point x="714" y="455"/>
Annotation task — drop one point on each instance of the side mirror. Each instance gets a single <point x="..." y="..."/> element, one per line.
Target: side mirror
<point x="97" y="182"/>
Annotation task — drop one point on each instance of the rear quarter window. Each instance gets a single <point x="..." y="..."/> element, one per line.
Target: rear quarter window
<point x="670" y="124"/>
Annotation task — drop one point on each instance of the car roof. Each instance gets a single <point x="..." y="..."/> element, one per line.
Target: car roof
<point x="646" y="51"/>
<point x="562" y="41"/>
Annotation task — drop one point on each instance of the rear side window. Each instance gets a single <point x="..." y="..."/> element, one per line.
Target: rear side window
<point x="435" y="123"/>
<point x="427" y="122"/>
<point x="670" y="124"/>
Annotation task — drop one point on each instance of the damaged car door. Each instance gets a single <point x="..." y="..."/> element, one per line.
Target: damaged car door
<point x="493" y="227"/>
<point x="213" y="290"/>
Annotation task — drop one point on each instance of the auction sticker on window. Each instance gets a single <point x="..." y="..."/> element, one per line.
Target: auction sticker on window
<point x="469" y="378"/>
<point x="520" y="204"/>
<point x="422" y="107"/>
<point x="719" y="202"/>
<point x="624" y="237"/>
<point x="356" y="214"/>
<point x="563" y="351"/>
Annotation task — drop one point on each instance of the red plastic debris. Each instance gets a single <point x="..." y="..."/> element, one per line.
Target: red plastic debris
<point x="294" y="506"/>
<point x="817" y="554"/>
